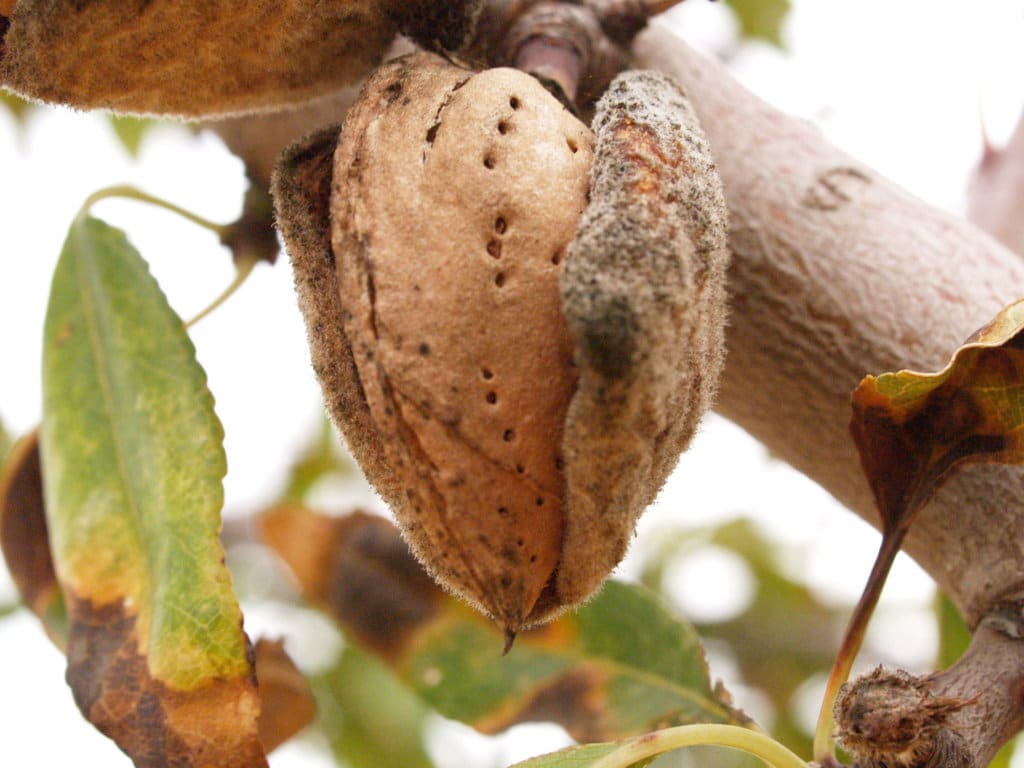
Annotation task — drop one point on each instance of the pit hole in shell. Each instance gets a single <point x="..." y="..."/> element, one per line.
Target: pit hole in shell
<point x="539" y="501"/>
<point x="492" y="397"/>
<point x="500" y="225"/>
<point x="573" y="146"/>
<point x="514" y="102"/>
<point x="556" y="257"/>
<point x="503" y="511"/>
<point x="487" y="374"/>
<point x="489" y="162"/>
<point x="499" y="279"/>
<point x="520" y="469"/>
<point x="509" y="435"/>
<point x="504" y="127"/>
<point x="494" y="249"/>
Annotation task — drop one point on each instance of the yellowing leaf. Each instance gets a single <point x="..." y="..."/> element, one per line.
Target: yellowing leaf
<point x="132" y="466"/>
<point x="131" y="131"/>
<point x="761" y="19"/>
<point x="912" y="428"/>
<point x="593" y="671"/>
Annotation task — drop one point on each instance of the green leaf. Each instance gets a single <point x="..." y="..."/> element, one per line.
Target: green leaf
<point x="573" y="757"/>
<point x="322" y="457"/>
<point x="131" y="131"/>
<point x="954" y="636"/>
<point x="132" y="467"/>
<point x="5" y="444"/>
<point x="17" y="106"/>
<point x="369" y="716"/>
<point x="622" y="664"/>
<point x="761" y="19"/>
<point x="639" y="750"/>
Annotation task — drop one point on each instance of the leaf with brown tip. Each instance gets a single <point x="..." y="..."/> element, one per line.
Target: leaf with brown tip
<point x="912" y="429"/>
<point x="132" y="461"/>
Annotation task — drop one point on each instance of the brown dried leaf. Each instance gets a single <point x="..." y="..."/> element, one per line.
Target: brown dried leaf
<point x="359" y="570"/>
<point x="286" y="701"/>
<point x="194" y="58"/>
<point x="912" y="429"/>
<point x="23" y="537"/>
<point x="157" y="725"/>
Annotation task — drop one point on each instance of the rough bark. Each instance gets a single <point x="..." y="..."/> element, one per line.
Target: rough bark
<point x="837" y="273"/>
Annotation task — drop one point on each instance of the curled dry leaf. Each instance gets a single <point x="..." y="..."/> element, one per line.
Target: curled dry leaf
<point x="208" y="57"/>
<point x="516" y="417"/>
<point x="911" y="428"/>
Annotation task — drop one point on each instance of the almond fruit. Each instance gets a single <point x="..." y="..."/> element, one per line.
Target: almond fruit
<point x="517" y="323"/>
<point x="449" y="243"/>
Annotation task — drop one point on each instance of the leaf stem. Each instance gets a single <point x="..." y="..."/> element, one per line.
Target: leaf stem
<point x="132" y="193"/>
<point x="242" y="272"/>
<point x="824" y="738"/>
<point x="702" y="734"/>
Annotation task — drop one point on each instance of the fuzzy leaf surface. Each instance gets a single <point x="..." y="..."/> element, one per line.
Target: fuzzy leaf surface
<point x="132" y="463"/>
<point x="911" y="428"/>
<point x="592" y="671"/>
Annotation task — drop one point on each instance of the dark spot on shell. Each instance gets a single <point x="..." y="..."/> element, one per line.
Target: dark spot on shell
<point x="492" y="397"/>
<point x="424" y="349"/>
<point x="509" y="435"/>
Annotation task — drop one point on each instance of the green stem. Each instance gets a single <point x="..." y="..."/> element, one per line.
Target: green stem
<point x="824" y="739"/>
<point x="242" y="273"/>
<point x="132" y="193"/>
<point x="704" y="734"/>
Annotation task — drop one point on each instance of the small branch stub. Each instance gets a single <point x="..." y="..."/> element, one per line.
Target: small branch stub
<point x="890" y="719"/>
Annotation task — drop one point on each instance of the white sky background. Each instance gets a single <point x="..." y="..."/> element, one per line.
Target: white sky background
<point x="900" y="84"/>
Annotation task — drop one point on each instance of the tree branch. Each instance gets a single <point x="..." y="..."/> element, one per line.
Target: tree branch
<point x="838" y="273"/>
